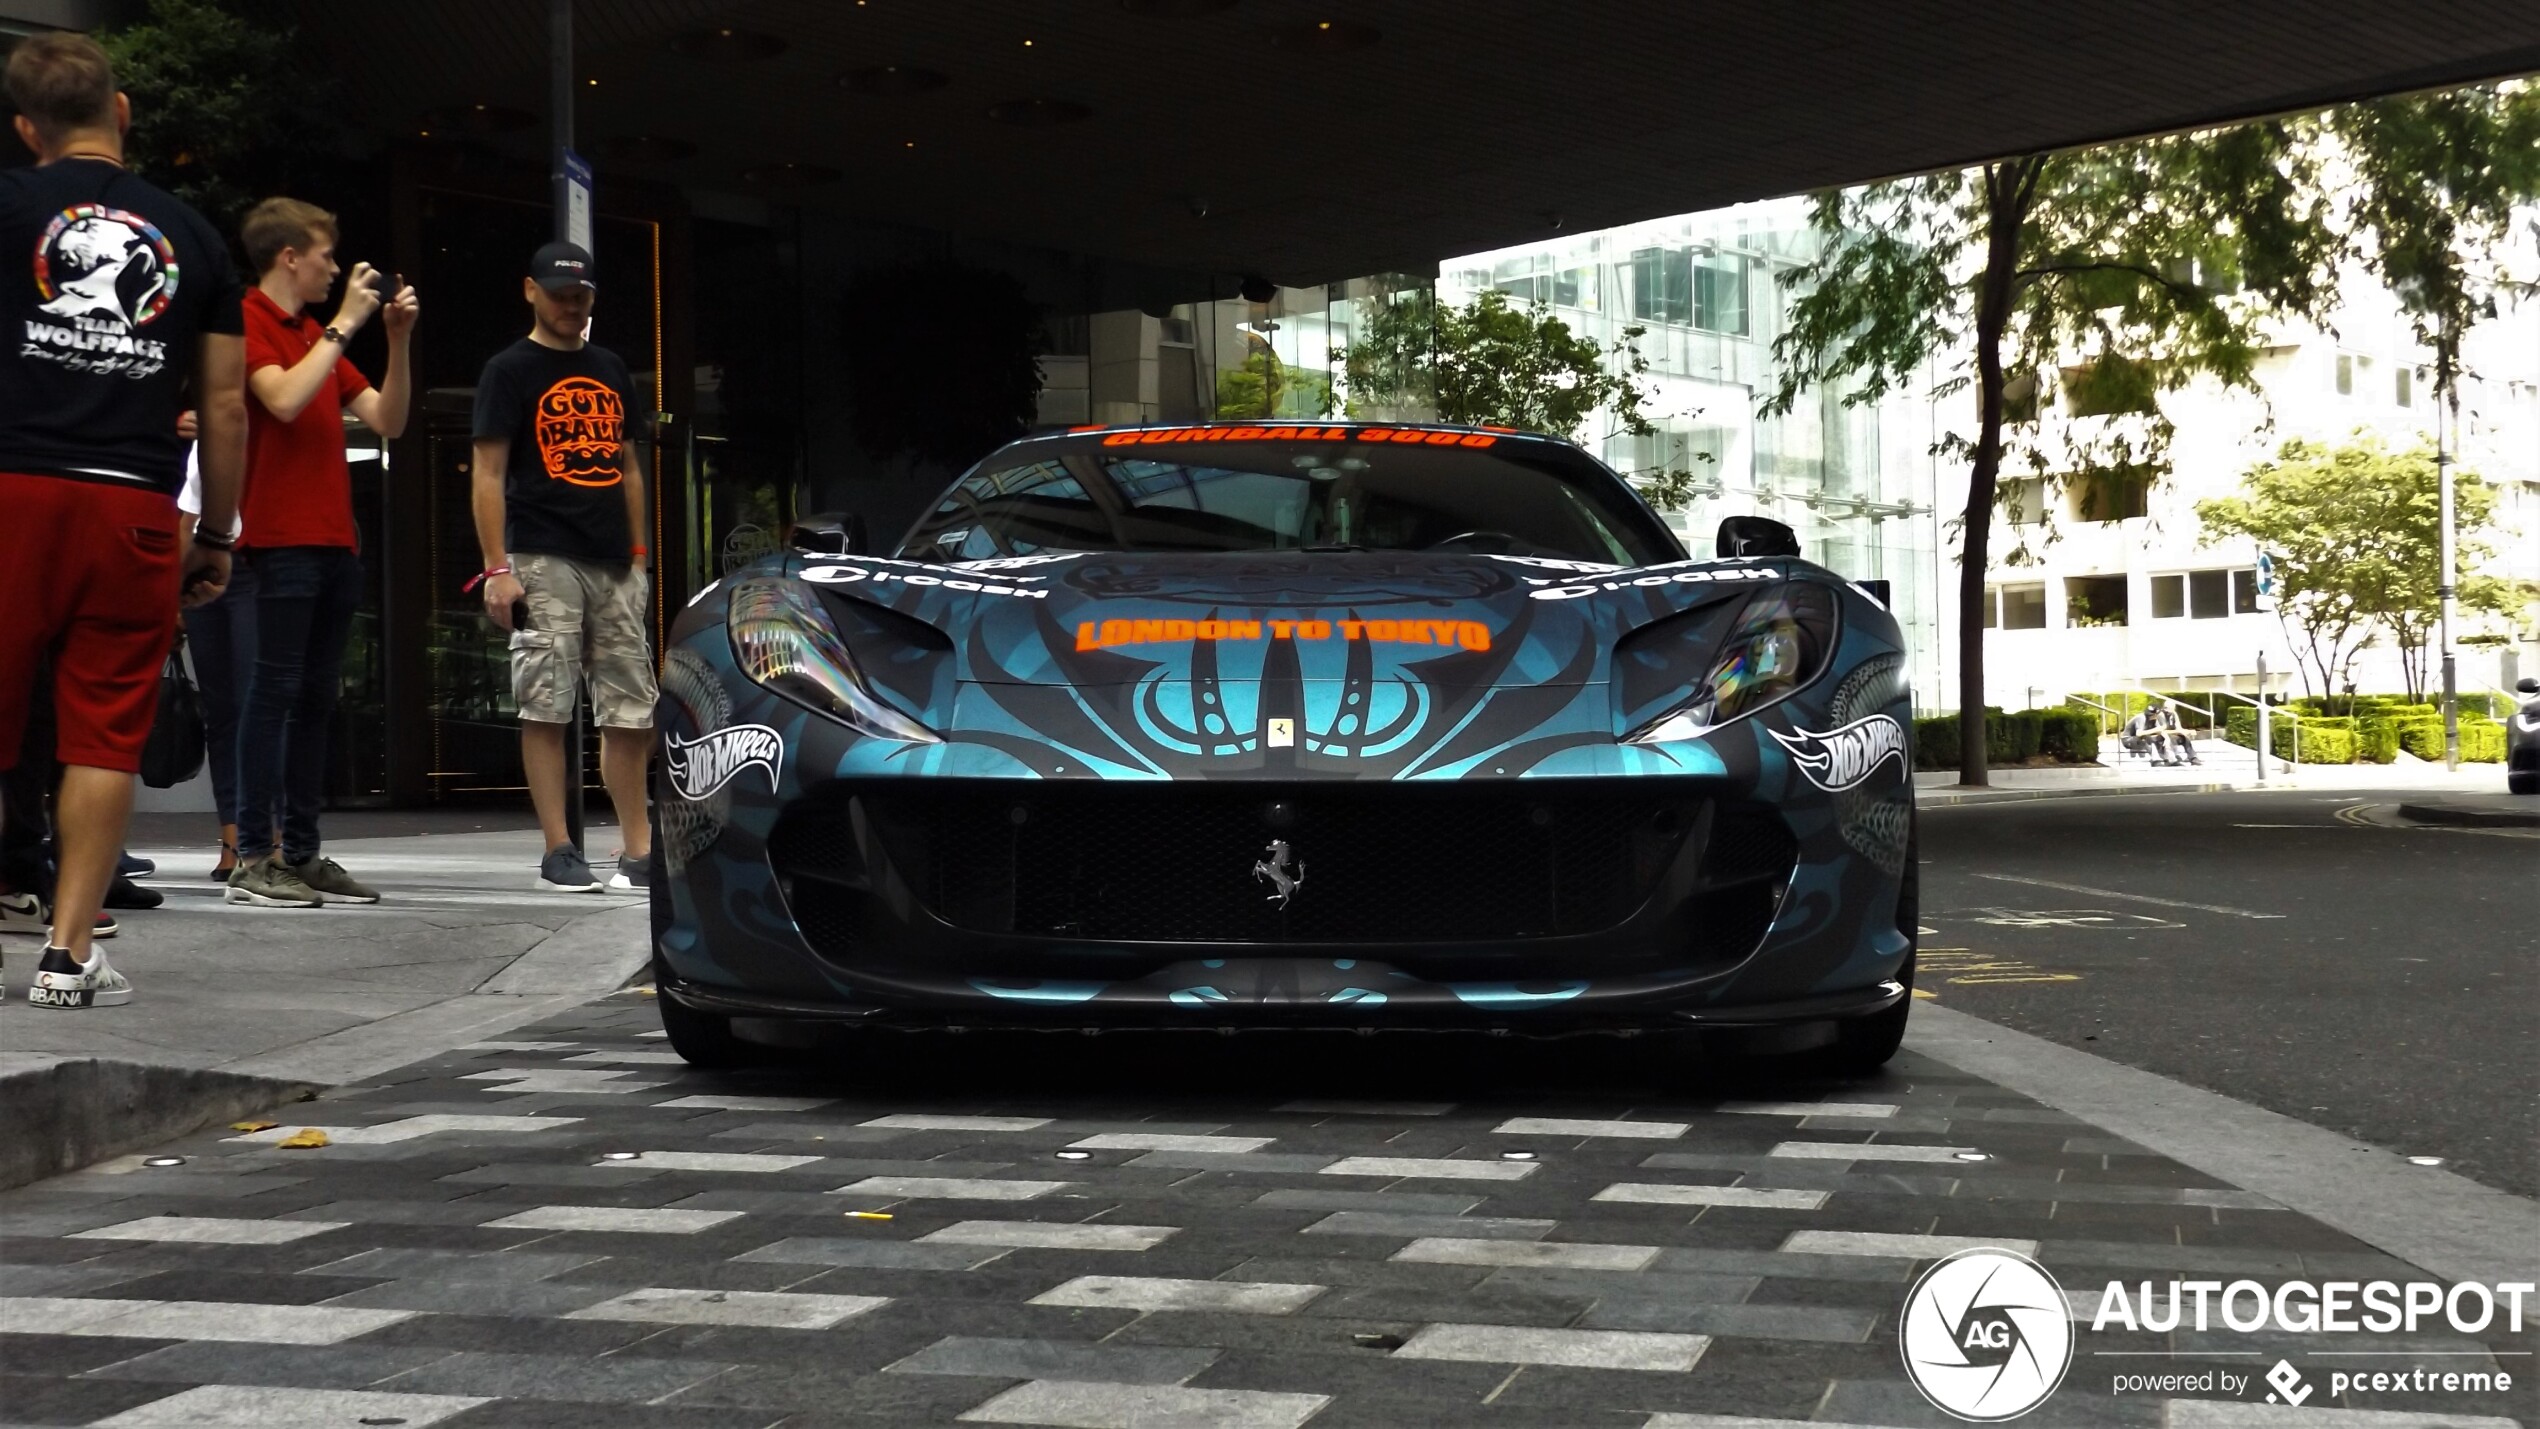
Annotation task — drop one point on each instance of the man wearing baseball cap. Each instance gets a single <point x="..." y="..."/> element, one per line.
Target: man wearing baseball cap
<point x="560" y="518"/>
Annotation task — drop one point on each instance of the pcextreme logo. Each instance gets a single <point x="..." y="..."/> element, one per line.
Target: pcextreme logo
<point x="1987" y="1335"/>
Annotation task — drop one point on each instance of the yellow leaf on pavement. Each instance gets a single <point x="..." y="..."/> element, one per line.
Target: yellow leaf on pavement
<point x="253" y="1125"/>
<point x="303" y="1139"/>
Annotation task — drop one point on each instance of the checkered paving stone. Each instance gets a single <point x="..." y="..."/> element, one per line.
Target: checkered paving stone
<point x="570" y="1227"/>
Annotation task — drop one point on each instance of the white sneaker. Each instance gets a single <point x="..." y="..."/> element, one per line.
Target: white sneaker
<point x="67" y="985"/>
<point x="24" y="913"/>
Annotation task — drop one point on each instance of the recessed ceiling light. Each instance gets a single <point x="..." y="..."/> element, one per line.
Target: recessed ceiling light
<point x="1039" y="113"/>
<point x="790" y="175"/>
<point x="725" y="45"/>
<point x="1175" y="9"/>
<point x="893" y="79"/>
<point x="1324" y="36"/>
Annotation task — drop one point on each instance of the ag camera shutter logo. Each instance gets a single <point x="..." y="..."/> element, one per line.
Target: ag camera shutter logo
<point x="1987" y="1335"/>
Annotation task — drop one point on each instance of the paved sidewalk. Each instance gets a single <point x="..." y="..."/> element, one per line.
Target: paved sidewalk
<point x="565" y="1226"/>
<point x="461" y="940"/>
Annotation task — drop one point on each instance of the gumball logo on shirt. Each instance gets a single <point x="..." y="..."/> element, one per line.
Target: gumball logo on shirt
<point x="581" y="424"/>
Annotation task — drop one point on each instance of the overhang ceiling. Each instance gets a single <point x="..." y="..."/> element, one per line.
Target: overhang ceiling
<point x="1244" y="138"/>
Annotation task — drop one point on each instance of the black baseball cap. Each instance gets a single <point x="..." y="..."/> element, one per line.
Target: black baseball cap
<point x="562" y="265"/>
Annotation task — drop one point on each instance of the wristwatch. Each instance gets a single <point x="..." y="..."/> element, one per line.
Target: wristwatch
<point x="330" y="334"/>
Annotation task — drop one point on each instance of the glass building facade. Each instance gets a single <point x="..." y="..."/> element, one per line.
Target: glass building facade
<point x="1706" y="289"/>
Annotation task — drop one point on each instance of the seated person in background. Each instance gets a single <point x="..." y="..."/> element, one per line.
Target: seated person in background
<point x="2139" y="735"/>
<point x="2181" y="746"/>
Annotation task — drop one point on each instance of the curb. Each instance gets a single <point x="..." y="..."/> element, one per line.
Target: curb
<point x="1946" y="798"/>
<point x="63" y="1113"/>
<point x="2470" y="816"/>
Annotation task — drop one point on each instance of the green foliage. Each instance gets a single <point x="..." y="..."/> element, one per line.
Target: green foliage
<point x="2356" y="534"/>
<point x="2439" y="179"/>
<point x="2320" y="743"/>
<point x="225" y="111"/>
<point x="2067" y="736"/>
<point x="2377" y="741"/>
<point x="2125" y="252"/>
<point x="1491" y="363"/>
<point x="2482" y="742"/>
<point x="1266" y="387"/>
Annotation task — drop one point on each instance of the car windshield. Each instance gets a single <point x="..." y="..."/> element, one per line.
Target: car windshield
<point x="1360" y="488"/>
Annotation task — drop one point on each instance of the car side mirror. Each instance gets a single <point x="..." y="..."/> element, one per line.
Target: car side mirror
<point x="1757" y="536"/>
<point x="831" y="533"/>
<point x="2530" y="685"/>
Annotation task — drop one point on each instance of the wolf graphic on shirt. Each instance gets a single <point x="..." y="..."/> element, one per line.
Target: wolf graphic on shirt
<point x="102" y="276"/>
<point x="581" y="425"/>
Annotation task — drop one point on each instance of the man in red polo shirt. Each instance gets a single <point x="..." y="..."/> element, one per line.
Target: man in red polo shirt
<point x="301" y="540"/>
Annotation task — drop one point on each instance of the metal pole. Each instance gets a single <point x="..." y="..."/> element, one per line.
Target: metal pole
<point x="2451" y="685"/>
<point x="2262" y="719"/>
<point x="560" y="119"/>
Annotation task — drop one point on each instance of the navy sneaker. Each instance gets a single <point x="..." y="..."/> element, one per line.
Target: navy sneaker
<point x="633" y="874"/>
<point x="135" y="866"/>
<point x="565" y="870"/>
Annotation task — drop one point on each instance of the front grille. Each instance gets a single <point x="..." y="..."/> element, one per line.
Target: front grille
<point x="1379" y="863"/>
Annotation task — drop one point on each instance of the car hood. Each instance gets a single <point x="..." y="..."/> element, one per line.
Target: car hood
<point x="1451" y="622"/>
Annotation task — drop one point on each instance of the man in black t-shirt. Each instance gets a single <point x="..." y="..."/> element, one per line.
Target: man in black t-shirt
<point x="560" y="516"/>
<point x="113" y="296"/>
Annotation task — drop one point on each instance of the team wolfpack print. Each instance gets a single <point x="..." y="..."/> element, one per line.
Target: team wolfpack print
<point x="700" y="767"/>
<point x="580" y="426"/>
<point x="102" y="276"/>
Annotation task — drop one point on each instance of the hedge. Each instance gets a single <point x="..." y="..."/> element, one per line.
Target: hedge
<point x="2322" y="741"/>
<point x="2065" y="735"/>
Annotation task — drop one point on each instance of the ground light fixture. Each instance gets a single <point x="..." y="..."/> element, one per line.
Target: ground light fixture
<point x="622" y="1156"/>
<point x="2425" y="1160"/>
<point x="1516" y="1156"/>
<point x="893" y="79"/>
<point x="1969" y="1156"/>
<point x="1075" y="1156"/>
<point x="162" y="1160"/>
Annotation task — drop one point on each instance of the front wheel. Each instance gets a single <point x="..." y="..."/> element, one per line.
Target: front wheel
<point x="1862" y="1045"/>
<point x="701" y="1039"/>
<point x="2527" y="782"/>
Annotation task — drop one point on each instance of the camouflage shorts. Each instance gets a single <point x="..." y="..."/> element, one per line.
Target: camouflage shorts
<point x="586" y="618"/>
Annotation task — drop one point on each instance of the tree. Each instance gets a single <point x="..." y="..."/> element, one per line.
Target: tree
<point x="2353" y="530"/>
<point x="1267" y="387"/>
<point x="2153" y="262"/>
<point x="2439" y="179"/>
<point x="225" y="110"/>
<point x="1489" y="363"/>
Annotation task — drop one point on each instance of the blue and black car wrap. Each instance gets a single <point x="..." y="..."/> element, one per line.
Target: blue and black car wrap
<point x="1023" y="773"/>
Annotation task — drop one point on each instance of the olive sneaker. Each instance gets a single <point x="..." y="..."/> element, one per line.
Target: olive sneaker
<point x="270" y="883"/>
<point x="69" y="986"/>
<point x="327" y="878"/>
<point x="565" y="870"/>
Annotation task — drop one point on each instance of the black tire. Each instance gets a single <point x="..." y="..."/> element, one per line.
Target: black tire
<point x="702" y="1039"/>
<point x="2527" y="782"/>
<point x="1862" y="1045"/>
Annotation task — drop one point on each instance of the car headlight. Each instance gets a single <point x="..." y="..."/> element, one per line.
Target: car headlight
<point x="1779" y="643"/>
<point x="783" y="639"/>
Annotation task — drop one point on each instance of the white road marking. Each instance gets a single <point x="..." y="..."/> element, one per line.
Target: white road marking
<point x="2127" y="897"/>
<point x="949" y="1188"/>
<point x="920" y="1121"/>
<point x="1567" y="1126"/>
<point x="1142" y="1406"/>
<point x="260" y="1406"/>
<point x="612" y="1218"/>
<point x="1649" y="1193"/>
<point x="1167" y="1141"/>
<point x="765" y="1308"/>
<point x="210" y="1230"/>
<point x="1583" y="1349"/>
<point x="1437" y="1167"/>
<point x="1865" y="1151"/>
<point x="1902" y="1247"/>
<point x="1139" y="1292"/>
<point x="1559" y="1255"/>
<point x="1050" y="1235"/>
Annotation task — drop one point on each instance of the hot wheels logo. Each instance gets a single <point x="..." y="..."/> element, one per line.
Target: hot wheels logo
<point x="699" y="767"/>
<point x="1838" y="759"/>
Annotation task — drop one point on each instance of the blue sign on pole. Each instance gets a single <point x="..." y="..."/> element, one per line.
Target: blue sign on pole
<point x="577" y="211"/>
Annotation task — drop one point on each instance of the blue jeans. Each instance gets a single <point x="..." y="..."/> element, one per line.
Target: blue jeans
<point x="223" y="639"/>
<point x="305" y="599"/>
